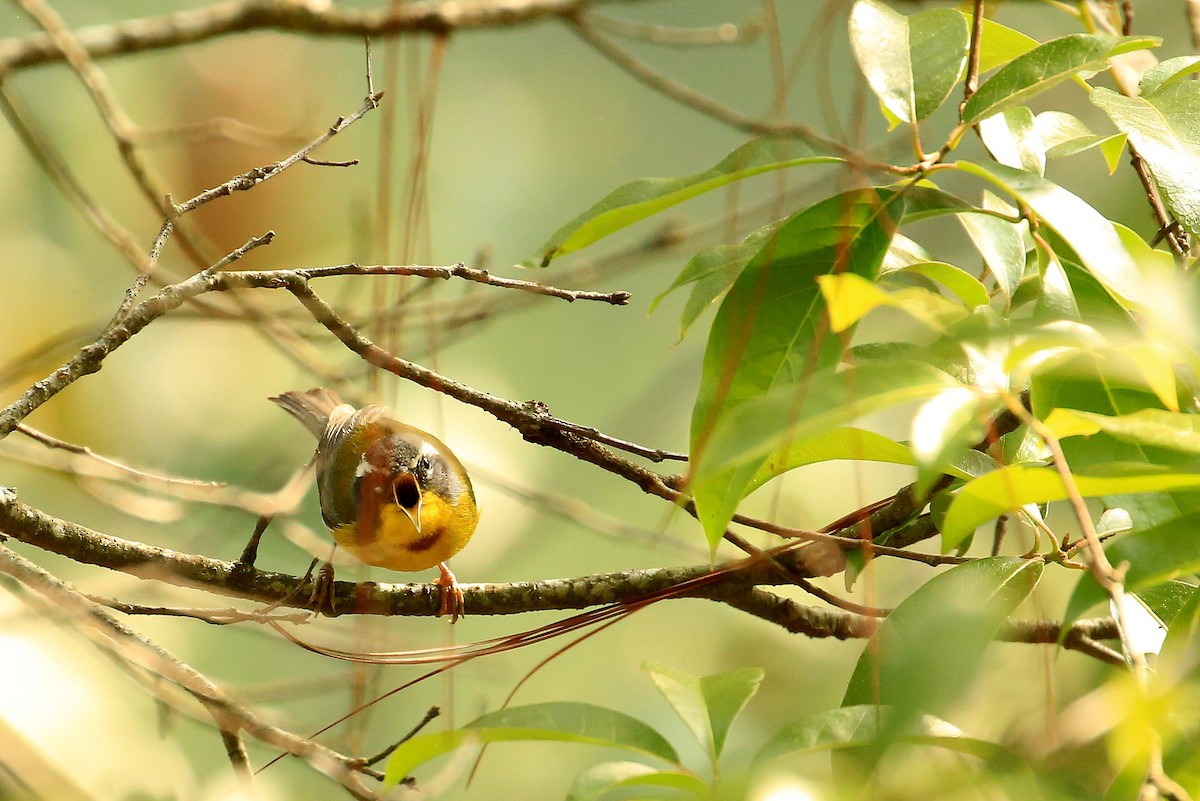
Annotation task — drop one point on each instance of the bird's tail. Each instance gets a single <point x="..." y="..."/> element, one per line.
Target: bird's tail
<point x="313" y="408"/>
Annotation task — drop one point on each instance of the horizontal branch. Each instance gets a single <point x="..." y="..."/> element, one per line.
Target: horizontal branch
<point x="240" y="580"/>
<point x="242" y="16"/>
<point x="732" y="583"/>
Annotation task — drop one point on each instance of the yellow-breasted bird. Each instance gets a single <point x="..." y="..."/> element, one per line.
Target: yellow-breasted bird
<point x="391" y="494"/>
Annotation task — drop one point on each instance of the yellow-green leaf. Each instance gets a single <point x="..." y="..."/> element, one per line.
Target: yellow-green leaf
<point x="1045" y="66"/>
<point x="1012" y="487"/>
<point x="640" y="199"/>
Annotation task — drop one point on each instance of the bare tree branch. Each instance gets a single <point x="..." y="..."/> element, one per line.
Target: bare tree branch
<point x="241" y="16"/>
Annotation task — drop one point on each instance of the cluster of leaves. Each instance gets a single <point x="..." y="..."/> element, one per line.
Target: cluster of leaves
<point x="1073" y="322"/>
<point x="708" y="705"/>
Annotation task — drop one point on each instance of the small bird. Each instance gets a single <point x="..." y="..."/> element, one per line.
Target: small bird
<point x="391" y="494"/>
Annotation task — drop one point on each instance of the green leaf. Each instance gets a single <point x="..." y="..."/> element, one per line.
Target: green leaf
<point x="937" y="41"/>
<point x="606" y="777"/>
<point x="911" y="63"/>
<point x="1065" y="135"/>
<point x="1156" y="556"/>
<point x="879" y="39"/>
<point x="1056" y="301"/>
<point x="771" y="329"/>
<point x="1045" y="66"/>
<point x="712" y="271"/>
<point x="642" y="198"/>
<point x="707" y="704"/>
<point x="853" y="726"/>
<point x="1178" y="653"/>
<point x="1165" y="73"/>
<point x="1093" y="237"/>
<point x="840" y="443"/>
<point x="1153" y="427"/>
<point x="1000" y="244"/>
<point x="1013" y="139"/>
<point x="1168" y="600"/>
<point x="1165" y="129"/>
<point x="947" y="425"/>
<point x="925" y="654"/>
<point x="1014" y="486"/>
<point x="851" y="297"/>
<point x="966" y="286"/>
<point x="999" y="44"/>
<point x="924" y="201"/>
<point x="747" y="435"/>
<point x="563" y="722"/>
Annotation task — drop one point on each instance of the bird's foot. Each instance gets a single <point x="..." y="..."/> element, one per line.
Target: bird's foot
<point x="451" y="594"/>
<point x="322" y="590"/>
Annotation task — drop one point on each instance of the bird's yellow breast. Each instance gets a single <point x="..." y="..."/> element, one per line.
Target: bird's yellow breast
<point x="397" y="545"/>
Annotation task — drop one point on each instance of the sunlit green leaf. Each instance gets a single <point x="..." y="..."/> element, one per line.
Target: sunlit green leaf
<point x="563" y="722"/>
<point x="1013" y="139"/>
<point x="1183" y="635"/>
<point x="1112" y="148"/>
<point x="707" y="704"/>
<point x="839" y="443"/>
<point x="999" y="44"/>
<point x="945" y="426"/>
<point x="966" y="286"/>
<point x="642" y="198"/>
<point x="1087" y="231"/>
<point x="1158" y="263"/>
<point x="879" y="39"/>
<point x="1167" y="600"/>
<point x="1045" y="66"/>
<point x="851" y="297"/>
<point x="1065" y="135"/>
<point x="1154" y="427"/>
<point x="1057" y="299"/>
<point x="1167" y="72"/>
<point x="860" y="725"/>
<point x="607" y="777"/>
<point x="1165" y="129"/>
<point x="911" y="63"/>
<point x="903" y="252"/>
<point x="1015" y="486"/>
<point x="771" y="330"/>
<point x="712" y="271"/>
<point x="1000" y="244"/>
<point x="744" y="439"/>
<point x="925" y="654"/>
<point x="937" y="41"/>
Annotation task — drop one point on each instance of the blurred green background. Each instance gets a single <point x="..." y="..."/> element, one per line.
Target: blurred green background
<point x="530" y="127"/>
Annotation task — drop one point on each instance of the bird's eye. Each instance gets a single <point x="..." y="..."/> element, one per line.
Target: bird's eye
<point x="424" y="467"/>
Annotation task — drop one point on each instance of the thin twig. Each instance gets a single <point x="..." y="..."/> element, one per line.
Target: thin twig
<point x="689" y="97"/>
<point x="460" y="270"/>
<point x="723" y="34"/>
<point x="252" y="178"/>
<point x="134" y="472"/>
<point x="215" y="617"/>
<point x="972" y="80"/>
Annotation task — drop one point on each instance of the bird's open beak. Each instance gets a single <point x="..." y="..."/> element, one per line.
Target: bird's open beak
<point x="407" y="493"/>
